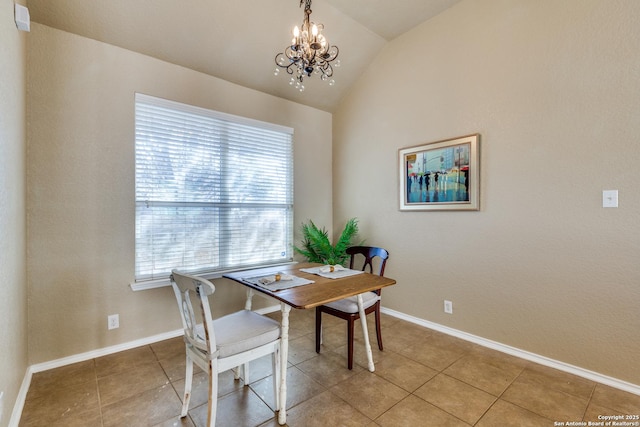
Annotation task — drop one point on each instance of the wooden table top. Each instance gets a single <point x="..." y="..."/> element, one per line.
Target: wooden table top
<point x="322" y="291"/>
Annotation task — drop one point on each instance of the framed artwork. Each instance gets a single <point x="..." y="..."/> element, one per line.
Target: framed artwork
<point x="441" y="175"/>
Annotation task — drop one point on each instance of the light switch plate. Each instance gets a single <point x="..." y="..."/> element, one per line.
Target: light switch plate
<point x="610" y="199"/>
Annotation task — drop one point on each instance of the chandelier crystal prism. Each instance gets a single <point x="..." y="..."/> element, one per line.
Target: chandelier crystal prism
<point x="309" y="53"/>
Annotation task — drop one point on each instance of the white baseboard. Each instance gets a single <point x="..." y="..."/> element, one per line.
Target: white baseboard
<point x="523" y="354"/>
<point x="57" y="363"/>
<point x="20" y="399"/>
<point x="39" y="367"/>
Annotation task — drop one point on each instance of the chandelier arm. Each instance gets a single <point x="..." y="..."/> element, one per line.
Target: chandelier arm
<point x="327" y="70"/>
<point x="309" y="52"/>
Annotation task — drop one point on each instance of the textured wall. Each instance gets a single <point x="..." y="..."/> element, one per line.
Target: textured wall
<point x="13" y="302"/>
<point x="552" y="87"/>
<point x="81" y="186"/>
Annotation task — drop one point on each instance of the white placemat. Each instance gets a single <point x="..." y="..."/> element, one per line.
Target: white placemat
<point x="338" y="273"/>
<point x="285" y="281"/>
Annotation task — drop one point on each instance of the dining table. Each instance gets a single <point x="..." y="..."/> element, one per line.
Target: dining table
<point x="305" y="286"/>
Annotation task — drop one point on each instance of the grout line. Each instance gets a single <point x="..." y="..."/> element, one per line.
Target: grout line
<point x="522" y="354"/>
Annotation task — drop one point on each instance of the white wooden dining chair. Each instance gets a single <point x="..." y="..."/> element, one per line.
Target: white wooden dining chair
<point x="228" y="342"/>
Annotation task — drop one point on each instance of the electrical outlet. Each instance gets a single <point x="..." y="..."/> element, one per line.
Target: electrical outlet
<point x="448" y="307"/>
<point x="113" y="321"/>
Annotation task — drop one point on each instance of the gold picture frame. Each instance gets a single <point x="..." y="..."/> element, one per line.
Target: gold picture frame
<point x="441" y="175"/>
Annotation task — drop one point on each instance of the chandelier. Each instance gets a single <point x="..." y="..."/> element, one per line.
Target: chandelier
<point x="309" y="53"/>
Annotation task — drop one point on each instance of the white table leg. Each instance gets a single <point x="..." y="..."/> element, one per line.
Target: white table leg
<point x="284" y="354"/>
<point x="367" y="345"/>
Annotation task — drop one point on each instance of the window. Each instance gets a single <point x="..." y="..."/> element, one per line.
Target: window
<point x="214" y="192"/>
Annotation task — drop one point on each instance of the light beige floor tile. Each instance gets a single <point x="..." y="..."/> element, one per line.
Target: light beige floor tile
<point x="300" y="387"/>
<point x="200" y="387"/>
<point x="60" y="378"/>
<point x="169" y="348"/>
<point x="144" y="386"/>
<point x="557" y="380"/>
<point x="413" y="411"/>
<point x="260" y="368"/>
<point x="401" y="371"/>
<point x="359" y="353"/>
<point x="387" y="320"/>
<point x="174" y="367"/>
<point x="457" y="398"/>
<point x="433" y="353"/>
<point x="328" y="369"/>
<point x="484" y="373"/>
<point x="616" y="399"/>
<point x="124" y="361"/>
<point x="334" y="336"/>
<point x="323" y="410"/>
<point x="509" y="415"/>
<point x="148" y="408"/>
<point x="63" y="406"/>
<point x="301" y="349"/>
<point x="176" y="422"/>
<point x="369" y="393"/>
<point x="82" y="420"/>
<point x="240" y="408"/>
<point x="402" y="334"/>
<point x="123" y="385"/>
<point x="547" y="402"/>
<point x="594" y="413"/>
<point x="498" y="359"/>
<point x="445" y="341"/>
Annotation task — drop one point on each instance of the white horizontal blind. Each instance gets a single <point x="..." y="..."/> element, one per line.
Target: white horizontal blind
<point x="213" y="191"/>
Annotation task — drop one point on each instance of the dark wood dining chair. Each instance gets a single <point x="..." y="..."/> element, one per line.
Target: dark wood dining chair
<point x="347" y="308"/>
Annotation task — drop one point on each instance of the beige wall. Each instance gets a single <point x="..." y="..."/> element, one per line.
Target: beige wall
<point x="553" y="89"/>
<point x="13" y="302"/>
<point x="81" y="186"/>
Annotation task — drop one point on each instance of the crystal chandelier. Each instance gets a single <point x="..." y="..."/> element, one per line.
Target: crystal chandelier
<point x="309" y="53"/>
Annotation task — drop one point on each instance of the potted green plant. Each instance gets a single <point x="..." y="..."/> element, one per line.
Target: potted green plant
<point x="316" y="246"/>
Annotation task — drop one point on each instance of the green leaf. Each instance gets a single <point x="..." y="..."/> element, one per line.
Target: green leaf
<point x="316" y="246"/>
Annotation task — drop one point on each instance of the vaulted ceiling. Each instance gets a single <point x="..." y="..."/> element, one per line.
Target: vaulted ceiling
<point x="237" y="40"/>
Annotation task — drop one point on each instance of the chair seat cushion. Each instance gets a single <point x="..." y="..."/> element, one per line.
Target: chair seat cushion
<point x="244" y="330"/>
<point x="350" y="304"/>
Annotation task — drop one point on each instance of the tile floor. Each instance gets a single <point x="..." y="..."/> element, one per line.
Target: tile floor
<point x="422" y="378"/>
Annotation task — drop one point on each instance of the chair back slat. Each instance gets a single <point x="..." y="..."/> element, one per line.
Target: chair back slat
<point x="192" y="291"/>
<point x="370" y="253"/>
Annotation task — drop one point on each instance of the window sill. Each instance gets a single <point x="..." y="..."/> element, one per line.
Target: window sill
<point x="161" y="283"/>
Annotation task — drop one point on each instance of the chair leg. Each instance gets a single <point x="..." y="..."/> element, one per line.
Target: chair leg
<point x="236" y="373"/>
<point x="318" y="329"/>
<point x="213" y="393"/>
<point x="378" y="330"/>
<point x="350" y="325"/>
<point x="188" y="380"/>
<point x="245" y="373"/>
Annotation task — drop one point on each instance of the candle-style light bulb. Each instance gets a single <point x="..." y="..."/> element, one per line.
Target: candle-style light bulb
<point x="296" y="32"/>
<point x="314" y="30"/>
